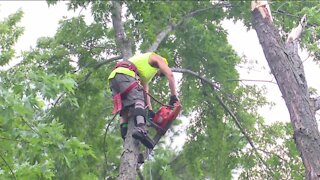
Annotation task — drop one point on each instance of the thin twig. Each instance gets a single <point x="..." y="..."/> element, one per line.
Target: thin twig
<point x="58" y="99"/>
<point x="32" y="129"/>
<point x="242" y="130"/>
<point x="9" y="139"/>
<point x="253" y="80"/>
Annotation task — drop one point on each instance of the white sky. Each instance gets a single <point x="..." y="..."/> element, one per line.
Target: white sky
<point x="39" y="20"/>
<point x="247" y="43"/>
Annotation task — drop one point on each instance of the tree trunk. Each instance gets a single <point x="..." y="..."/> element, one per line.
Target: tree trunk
<point x="129" y="156"/>
<point x="287" y="68"/>
<point x="123" y="42"/>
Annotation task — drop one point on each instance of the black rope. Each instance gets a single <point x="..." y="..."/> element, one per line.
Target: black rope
<point x="156" y="99"/>
<point x="104" y="141"/>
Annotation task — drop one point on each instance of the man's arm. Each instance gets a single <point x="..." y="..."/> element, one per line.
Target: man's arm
<point x="158" y="62"/>
<point x="148" y="100"/>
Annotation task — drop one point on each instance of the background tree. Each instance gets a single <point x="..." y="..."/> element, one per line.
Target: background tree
<point x="287" y="67"/>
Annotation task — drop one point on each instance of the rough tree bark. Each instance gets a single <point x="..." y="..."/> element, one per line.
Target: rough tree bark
<point x="123" y="42"/>
<point x="129" y="156"/>
<point x="287" y="68"/>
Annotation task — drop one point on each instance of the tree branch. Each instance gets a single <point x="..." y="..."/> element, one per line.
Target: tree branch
<point x="243" y="131"/>
<point x="7" y="164"/>
<point x="187" y="71"/>
<point x="271" y="153"/>
<point x="214" y="87"/>
<point x="296" y="32"/>
<point x="9" y="139"/>
<point x="171" y="27"/>
<point x="253" y="80"/>
<point x="316" y="103"/>
<point x="101" y="63"/>
<point x="98" y="65"/>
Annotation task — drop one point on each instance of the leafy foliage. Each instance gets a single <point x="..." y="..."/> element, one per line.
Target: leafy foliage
<point x="56" y="102"/>
<point x="9" y="34"/>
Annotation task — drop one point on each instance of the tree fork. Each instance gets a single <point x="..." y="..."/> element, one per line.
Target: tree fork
<point x="287" y="67"/>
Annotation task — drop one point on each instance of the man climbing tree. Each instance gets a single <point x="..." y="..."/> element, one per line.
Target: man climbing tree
<point x="129" y="84"/>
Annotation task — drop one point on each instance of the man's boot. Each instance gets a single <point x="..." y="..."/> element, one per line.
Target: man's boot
<point x="141" y="133"/>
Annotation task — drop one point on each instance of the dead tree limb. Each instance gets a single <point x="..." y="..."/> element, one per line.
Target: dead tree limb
<point x="316" y="102"/>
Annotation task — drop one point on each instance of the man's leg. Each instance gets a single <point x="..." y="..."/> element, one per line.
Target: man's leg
<point x="134" y="101"/>
<point x="124" y="123"/>
<point x="123" y="127"/>
<point x="140" y="132"/>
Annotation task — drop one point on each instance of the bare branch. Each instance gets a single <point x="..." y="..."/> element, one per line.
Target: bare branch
<point x="316" y="102"/>
<point x="160" y="38"/>
<point x="243" y="131"/>
<point x="171" y="27"/>
<point x="98" y="65"/>
<point x="271" y="153"/>
<point x="16" y="140"/>
<point x="279" y="11"/>
<point x="187" y="71"/>
<point x="253" y="80"/>
<point x="121" y="39"/>
<point x="296" y="32"/>
<point x="7" y="164"/>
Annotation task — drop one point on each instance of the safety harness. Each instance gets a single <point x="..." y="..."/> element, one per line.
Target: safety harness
<point x="127" y="64"/>
<point x="117" y="103"/>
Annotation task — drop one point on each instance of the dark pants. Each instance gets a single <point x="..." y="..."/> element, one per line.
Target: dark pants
<point x="136" y="96"/>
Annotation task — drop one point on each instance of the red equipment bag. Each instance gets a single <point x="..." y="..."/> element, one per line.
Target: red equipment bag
<point x="117" y="102"/>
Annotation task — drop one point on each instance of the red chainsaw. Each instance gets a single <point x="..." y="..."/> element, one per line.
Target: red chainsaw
<point x="164" y="118"/>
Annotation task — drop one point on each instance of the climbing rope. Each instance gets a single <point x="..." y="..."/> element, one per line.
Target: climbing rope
<point x="104" y="141"/>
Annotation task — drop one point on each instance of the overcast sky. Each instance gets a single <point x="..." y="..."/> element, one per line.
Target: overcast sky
<point x="40" y="20"/>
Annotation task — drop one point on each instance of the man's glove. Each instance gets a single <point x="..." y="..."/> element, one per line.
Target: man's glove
<point x="173" y="99"/>
<point x="151" y="114"/>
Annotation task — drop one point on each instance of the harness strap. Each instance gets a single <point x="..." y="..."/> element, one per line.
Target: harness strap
<point x="129" y="88"/>
<point x="127" y="64"/>
<point x="117" y="103"/>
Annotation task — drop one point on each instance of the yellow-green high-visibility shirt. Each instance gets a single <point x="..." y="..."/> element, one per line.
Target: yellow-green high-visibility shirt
<point x="141" y="61"/>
